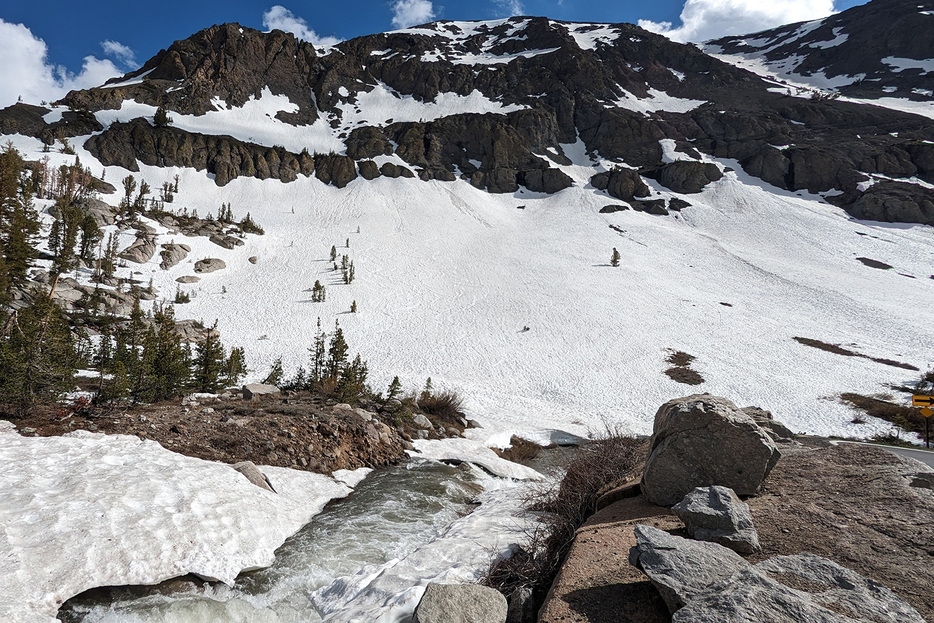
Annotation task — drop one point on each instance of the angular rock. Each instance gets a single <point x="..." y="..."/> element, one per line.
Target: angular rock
<point x="228" y="242"/>
<point x="773" y="427"/>
<point x="622" y="183"/>
<point x="141" y="251"/>
<point x="704" y="440"/>
<point x="209" y="265"/>
<point x="461" y="603"/>
<point x="188" y="279"/>
<point x="610" y="209"/>
<point x="421" y="421"/>
<point x="255" y="390"/>
<point x="172" y="254"/>
<point x="688" y="177"/>
<point x="369" y="170"/>
<point x="652" y="206"/>
<point x="679" y="568"/>
<point x="336" y="170"/>
<point x="715" y="514"/>
<point x="254" y="475"/>
<point x="817" y="590"/>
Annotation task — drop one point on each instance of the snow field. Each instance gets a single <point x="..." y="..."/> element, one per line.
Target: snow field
<point x="448" y="276"/>
<point x="86" y="510"/>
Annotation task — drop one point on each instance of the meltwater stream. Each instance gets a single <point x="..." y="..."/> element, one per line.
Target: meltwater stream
<point x="364" y="558"/>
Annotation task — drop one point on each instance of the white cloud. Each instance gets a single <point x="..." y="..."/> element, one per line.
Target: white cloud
<point x="280" y="18"/>
<point x="407" y="13"/>
<point x="702" y="20"/>
<point x="120" y="52"/>
<point x="25" y="71"/>
<point x="511" y="7"/>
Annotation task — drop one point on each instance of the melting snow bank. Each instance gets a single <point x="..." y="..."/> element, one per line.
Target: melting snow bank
<point x="462" y="553"/>
<point x="470" y="451"/>
<point x="87" y="510"/>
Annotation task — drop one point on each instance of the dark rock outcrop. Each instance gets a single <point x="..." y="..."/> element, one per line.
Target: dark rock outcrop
<point x="685" y="176"/>
<point x="622" y="183"/>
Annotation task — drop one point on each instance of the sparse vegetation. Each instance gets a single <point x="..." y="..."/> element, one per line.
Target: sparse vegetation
<point x="598" y="466"/>
<point x="839" y="350"/>
<point x="680" y="370"/>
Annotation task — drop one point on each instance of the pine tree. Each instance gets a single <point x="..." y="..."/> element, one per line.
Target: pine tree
<point x="161" y="118"/>
<point x="235" y="368"/>
<point x="318" y="293"/>
<point x="275" y="373"/>
<point x="395" y="388"/>
<point x="170" y="367"/>
<point x="337" y="353"/>
<point x="318" y="354"/>
<point x="351" y="384"/>
<point x="129" y="187"/>
<point x="428" y="390"/>
<point x="614" y="258"/>
<point x="209" y="362"/>
<point x="353" y="307"/>
<point x="37" y="354"/>
<point x="333" y="253"/>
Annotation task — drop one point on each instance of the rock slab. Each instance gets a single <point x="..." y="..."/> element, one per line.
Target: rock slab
<point x="716" y="514"/>
<point x="461" y="603"/>
<point x="255" y="390"/>
<point x="704" y="440"/>
<point x="679" y="568"/>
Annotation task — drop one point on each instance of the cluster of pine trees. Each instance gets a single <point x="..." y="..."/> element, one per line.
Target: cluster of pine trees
<point x="330" y="371"/>
<point x="145" y="360"/>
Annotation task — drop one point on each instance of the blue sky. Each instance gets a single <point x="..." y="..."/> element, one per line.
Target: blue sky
<point x="79" y="43"/>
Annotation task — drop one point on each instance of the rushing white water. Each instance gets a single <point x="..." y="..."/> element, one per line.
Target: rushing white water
<point x="368" y="556"/>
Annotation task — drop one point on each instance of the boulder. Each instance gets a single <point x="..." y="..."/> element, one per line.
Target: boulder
<point x="716" y="514"/>
<point x="209" y="265"/>
<point x="141" y="251"/>
<point x="773" y="427"/>
<point x="252" y="473"/>
<point x="172" y="254"/>
<point x="255" y="390"/>
<point x="803" y="587"/>
<point x="686" y="176"/>
<point x="336" y="170"/>
<point x="621" y="183"/>
<point x="421" y="421"/>
<point x="679" y="568"/>
<point x="188" y="279"/>
<point x="228" y="242"/>
<point x="368" y="170"/>
<point x="651" y="206"/>
<point x="610" y="209"/>
<point x="704" y="440"/>
<point x="461" y="603"/>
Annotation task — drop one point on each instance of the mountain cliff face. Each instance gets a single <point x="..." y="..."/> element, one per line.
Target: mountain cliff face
<point x="496" y="103"/>
<point x="880" y="49"/>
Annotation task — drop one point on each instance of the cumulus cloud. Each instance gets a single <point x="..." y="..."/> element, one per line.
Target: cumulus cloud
<point x="702" y="20"/>
<point x="280" y="18"/>
<point x="511" y="7"/>
<point x="406" y="13"/>
<point x="120" y="52"/>
<point x="26" y="73"/>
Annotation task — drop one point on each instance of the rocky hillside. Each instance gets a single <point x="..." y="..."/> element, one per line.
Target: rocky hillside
<point x="497" y="103"/>
<point x="881" y="49"/>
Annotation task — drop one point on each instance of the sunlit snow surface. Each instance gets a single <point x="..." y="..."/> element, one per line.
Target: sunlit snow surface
<point x="448" y="277"/>
<point x="87" y="510"/>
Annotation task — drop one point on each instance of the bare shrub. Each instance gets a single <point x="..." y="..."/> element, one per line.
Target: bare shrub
<point x="684" y="375"/>
<point x="564" y="507"/>
<point x="446" y="404"/>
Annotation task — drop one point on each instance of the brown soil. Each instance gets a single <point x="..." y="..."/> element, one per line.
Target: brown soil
<point x="851" y="504"/>
<point x="298" y="431"/>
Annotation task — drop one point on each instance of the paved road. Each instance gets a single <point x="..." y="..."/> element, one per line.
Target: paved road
<point x="925" y="456"/>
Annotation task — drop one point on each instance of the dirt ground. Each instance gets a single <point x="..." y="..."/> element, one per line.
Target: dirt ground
<point x="852" y="504"/>
<point x="300" y="431"/>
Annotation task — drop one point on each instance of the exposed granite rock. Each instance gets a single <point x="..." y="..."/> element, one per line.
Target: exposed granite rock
<point x="622" y="183"/>
<point x="460" y="603"/>
<point x="209" y="265"/>
<point x="172" y="254"/>
<point x="336" y="170"/>
<point x="685" y="176"/>
<point x="715" y="514"/>
<point x="704" y="440"/>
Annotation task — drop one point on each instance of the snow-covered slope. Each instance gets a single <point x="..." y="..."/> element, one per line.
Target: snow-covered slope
<point x="879" y="53"/>
<point x="87" y="510"/>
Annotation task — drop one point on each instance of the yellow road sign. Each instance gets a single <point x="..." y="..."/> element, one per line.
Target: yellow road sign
<point x="927" y="412"/>
<point x="922" y="401"/>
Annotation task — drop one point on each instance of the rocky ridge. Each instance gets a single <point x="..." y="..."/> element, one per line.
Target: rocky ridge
<point x="618" y="89"/>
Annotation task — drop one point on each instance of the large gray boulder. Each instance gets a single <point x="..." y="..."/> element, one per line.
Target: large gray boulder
<point x="704" y="440"/>
<point x="209" y="265"/>
<point x="803" y="587"/>
<point x="461" y="603"/>
<point x="256" y="390"/>
<point x="141" y="251"/>
<point x="715" y="514"/>
<point x="679" y="568"/>
<point x="172" y="254"/>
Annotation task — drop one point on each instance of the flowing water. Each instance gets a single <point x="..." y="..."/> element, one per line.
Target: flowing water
<point x="401" y="527"/>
